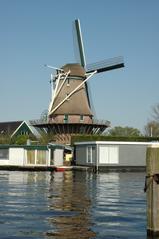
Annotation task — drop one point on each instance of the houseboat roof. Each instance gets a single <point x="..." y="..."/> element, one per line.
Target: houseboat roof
<point x="32" y="147"/>
<point x="116" y="143"/>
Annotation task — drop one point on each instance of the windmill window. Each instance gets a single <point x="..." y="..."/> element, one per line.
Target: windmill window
<point x="81" y="117"/>
<point x="65" y="118"/>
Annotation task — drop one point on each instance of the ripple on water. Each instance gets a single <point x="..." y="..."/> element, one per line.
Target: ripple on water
<point x="71" y="205"/>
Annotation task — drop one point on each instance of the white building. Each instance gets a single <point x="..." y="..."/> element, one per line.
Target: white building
<point x="111" y="154"/>
<point x="32" y="155"/>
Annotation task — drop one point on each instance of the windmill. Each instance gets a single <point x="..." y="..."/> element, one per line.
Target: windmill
<point x="70" y="110"/>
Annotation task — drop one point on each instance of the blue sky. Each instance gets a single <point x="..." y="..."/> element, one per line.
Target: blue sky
<point x="35" y="32"/>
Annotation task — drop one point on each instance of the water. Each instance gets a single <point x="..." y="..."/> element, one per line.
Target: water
<point x="72" y="205"/>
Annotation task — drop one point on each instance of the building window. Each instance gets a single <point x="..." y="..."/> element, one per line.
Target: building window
<point x="24" y="133"/>
<point x="4" y="154"/>
<point x="30" y="156"/>
<point x="91" y="154"/>
<point x="41" y="157"/>
<point x="65" y="118"/>
<point x="108" y="154"/>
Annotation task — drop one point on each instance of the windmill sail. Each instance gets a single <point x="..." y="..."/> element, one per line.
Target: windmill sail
<point x="101" y="66"/>
<point x="106" y="65"/>
<point x="79" y="43"/>
<point x="80" y="54"/>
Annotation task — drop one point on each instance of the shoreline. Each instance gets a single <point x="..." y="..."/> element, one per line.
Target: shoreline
<point x="74" y="168"/>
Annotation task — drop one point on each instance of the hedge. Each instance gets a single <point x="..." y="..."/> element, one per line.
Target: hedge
<point x="83" y="138"/>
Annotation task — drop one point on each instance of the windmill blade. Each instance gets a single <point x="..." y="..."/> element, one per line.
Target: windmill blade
<point x="106" y="65"/>
<point x="79" y="43"/>
<point x="90" y="98"/>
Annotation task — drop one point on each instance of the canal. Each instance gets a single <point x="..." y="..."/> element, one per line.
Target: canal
<point x="72" y="205"/>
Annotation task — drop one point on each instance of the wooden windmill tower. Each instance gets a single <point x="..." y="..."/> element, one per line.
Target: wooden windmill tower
<point x="70" y="110"/>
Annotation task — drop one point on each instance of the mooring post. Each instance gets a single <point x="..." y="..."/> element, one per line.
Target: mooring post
<point x="152" y="189"/>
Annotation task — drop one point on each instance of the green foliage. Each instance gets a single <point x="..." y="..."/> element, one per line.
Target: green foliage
<point x="5" y="139"/>
<point x="124" y="132"/>
<point x="152" y="129"/>
<point x="46" y="138"/>
<point x="20" y="139"/>
<point x="85" y="138"/>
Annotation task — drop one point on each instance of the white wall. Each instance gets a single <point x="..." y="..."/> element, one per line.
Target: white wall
<point x="4" y="162"/>
<point x="16" y="156"/>
<point x="58" y="157"/>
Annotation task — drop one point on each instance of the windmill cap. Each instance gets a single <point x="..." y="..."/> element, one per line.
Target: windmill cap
<point x="75" y="69"/>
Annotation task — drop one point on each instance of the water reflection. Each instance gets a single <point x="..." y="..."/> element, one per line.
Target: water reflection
<point x="38" y="205"/>
<point x="23" y="204"/>
<point x="70" y="205"/>
<point x="119" y="210"/>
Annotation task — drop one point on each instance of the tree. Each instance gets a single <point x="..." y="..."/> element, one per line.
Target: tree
<point x="124" y="132"/>
<point x="155" y="112"/>
<point x="46" y="138"/>
<point x="44" y="115"/>
<point x="152" y="129"/>
<point x="5" y="139"/>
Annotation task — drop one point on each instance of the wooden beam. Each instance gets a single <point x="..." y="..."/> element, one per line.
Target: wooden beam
<point x="152" y="189"/>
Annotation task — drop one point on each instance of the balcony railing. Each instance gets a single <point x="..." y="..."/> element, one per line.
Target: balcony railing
<point x="44" y="121"/>
<point x="101" y="122"/>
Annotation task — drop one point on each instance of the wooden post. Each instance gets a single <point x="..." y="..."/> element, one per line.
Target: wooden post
<point x="152" y="189"/>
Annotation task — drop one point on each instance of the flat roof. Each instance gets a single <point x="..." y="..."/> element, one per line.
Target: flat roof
<point x="33" y="147"/>
<point x="116" y="143"/>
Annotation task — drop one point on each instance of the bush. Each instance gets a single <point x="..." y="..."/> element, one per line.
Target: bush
<point x="20" y="139"/>
<point x="5" y="139"/>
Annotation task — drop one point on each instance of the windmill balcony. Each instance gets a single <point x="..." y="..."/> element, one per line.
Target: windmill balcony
<point x="62" y="121"/>
<point x="64" y="130"/>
